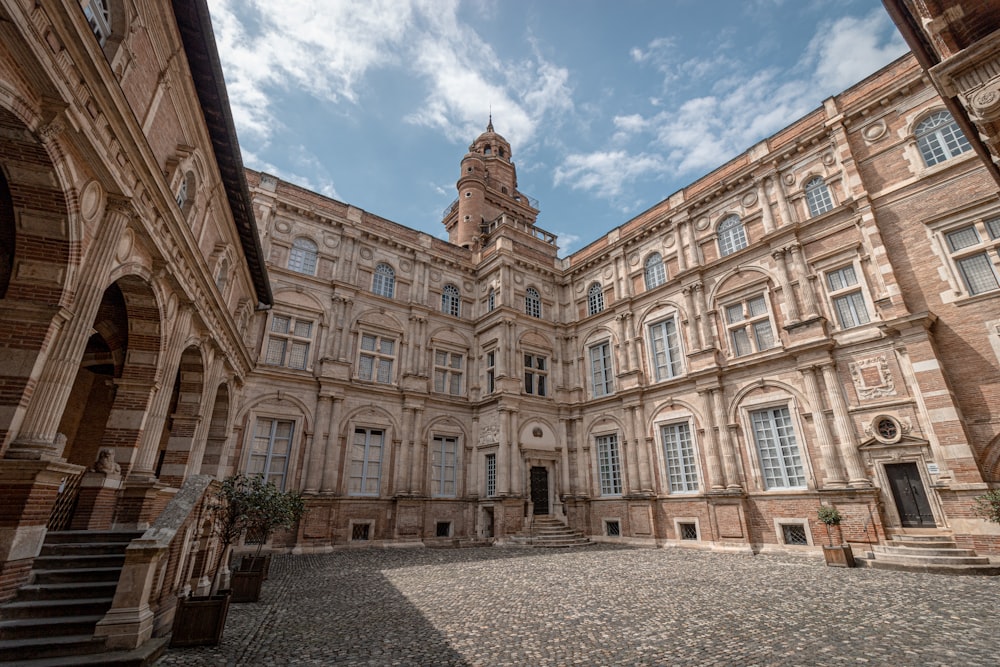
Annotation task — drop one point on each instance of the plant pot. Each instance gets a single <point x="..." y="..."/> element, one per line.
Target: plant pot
<point x="246" y="585"/>
<point x="839" y="556"/>
<point x="199" y="621"/>
<point x="256" y="564"/>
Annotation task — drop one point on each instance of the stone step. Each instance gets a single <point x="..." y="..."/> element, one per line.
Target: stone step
<point x="55" y="608"/>
<point x="67" y="591"/>
<point x="25" y="652"/>
<point x="28" y="628"/>
<point x="894" y="556"/>
<point x="990" y="570"/>
<point x="89" y="536"/>
<point x="145" y="655"/>
<point x="81" y="561"/>
<point x="924" y="551"/>
<point x="82" y="548"/>
<point x="92" y="574"/>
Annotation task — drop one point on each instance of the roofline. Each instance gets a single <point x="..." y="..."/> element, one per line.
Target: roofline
<point x="194" y="22"/>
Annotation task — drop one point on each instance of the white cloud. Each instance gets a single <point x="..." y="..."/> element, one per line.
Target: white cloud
<point x="323" y="186"/>
<point x="605" y="173"/>
<point x="851" y="48"/>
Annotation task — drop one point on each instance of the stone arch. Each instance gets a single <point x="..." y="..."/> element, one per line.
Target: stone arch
<point x="213" y="462"/>
<point x="445" y="421"/>
<point x="732" y="411"/>
<point x="38" y="258"/>
<point x="673" y="404"/>
<point x="725" y="281"/>
<point x="177" y="439"/>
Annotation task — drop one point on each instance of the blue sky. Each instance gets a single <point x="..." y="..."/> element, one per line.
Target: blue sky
<point x="609" y="106"/>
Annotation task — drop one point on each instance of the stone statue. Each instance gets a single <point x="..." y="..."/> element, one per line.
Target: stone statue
<point x="106" y="463"/>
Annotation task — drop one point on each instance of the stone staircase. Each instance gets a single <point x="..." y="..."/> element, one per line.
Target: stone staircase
<point x="933" y="553"/>
<point x="547" y="531"/>
<point x="51" y="621"/>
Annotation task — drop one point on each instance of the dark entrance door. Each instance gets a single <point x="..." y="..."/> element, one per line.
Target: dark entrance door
<point x="910" y="495"/>
<point x="540" y="489"/>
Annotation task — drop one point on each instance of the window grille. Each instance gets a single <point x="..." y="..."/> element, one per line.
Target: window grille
<point x="360" y="532"/>
<point x="384" y="281"/>
<point x="688" y="531"/>
<point x="939" y="138"/>
<point x="655" y="272"/>
<point x="302" y="258"/>
<point x="818" y="197"/>
<point x="731" y="235"/>
<point x="794" y="534"/>
<point x="595" y="299"/>
<point x="613" y="528"/>
<point x="665" y="349"/>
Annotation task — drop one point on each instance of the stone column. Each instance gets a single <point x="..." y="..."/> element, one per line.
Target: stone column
<point x="37" y="434"/>
<point x="693" y="331"/>
<point x="791" y="304"/>
<point x="707" y="335"/>
<point x="344" y="348"/>
<point x="715" y="480"/>
<point x="765" y="207"/>
<point x="783" y="208"/>
<point x="504" y="453"/>
<point x="320" y="441"/>
<point x="335" y="449"/>
<point x="806" y="288"/>
<point x="682" y="260"/>
<point x="728" y="452"/>
<point x="831" y="464"/>
<point x="845" y="432"/>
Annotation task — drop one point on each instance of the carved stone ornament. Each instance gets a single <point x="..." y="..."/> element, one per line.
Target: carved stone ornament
<point x="467" y="286"/>
<point x="633" y="259"/>
<point x="669" y="240"/>
<point x="702" y="223"/>
<point x="366" y="253"/>
<point x="536" y="432"/>
<point x="490" y="433"/>
<point x="872" y="378"/>
<point x="106" y="463"/>
<point x="405" y="265"/>
<point x="789" y="178"/>
<point x="986" y="103"/>
<point x="829" y="158"/>
<point x="874" y="131"/>
<point x="91" y="201"/>
<point x="608" y="272"/>
<point x="125" y="243"/>
<point x="282" y="226"/>
<point x="749" y="199"/>
<point x="331" y="241"/>
<point x="435" y="276"/>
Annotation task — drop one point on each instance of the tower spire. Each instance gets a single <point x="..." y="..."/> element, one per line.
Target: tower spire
<point x="489" y="126"/>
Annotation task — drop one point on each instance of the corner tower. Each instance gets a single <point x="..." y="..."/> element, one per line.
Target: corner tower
<point x="487" y="191"/>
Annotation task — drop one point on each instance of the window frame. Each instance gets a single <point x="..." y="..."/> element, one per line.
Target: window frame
<point x="932" y="141"/>
<point x="987" y="231"/>
<point x="377" y="356"/>
<point x="748" y="324"/>
<point x="595" y="299"/>
<point x="536" y="378"/>
<point x="779" y="456"/>
<point x="819" y="198"/>
<point x="846" y="295"/>
<point x="674" y="353"/>
<point x="609" y="464"/>
<point x="654" y="267"/>
<point x="448" y="371"/>
<point x="384" y="280"/>
<point x="451" y="300"/>
<point x="490" y="471"/>
<point x="606" y="387"/>
<point x="680" y="459"/>
<point x="490" y="363"/>
<point x="366" y="461"/>
<point x="289" y="339"/>
<point x="268" y="455"/>
<point x="303" y="260"/>
<point x="440" y="475"/>
<point x="532" y="303"/>
<point x="731" y="235"/>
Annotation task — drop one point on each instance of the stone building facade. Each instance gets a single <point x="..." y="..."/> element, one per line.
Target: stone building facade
<point x="814" y="322"/>
<point x="129" y="266"/>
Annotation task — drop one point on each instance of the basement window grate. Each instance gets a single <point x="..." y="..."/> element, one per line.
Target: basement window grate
<point x="689" y="531"/>
<point x="794" y="533"/>
<point x="360" y="532"/>
<point x="443" y="529"/>
<point x="612" y="528"/>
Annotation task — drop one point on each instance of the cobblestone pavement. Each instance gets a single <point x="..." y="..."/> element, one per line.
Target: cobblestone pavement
<point x="602" y="605"/>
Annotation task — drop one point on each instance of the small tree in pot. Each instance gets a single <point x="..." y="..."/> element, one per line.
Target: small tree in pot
<point x="840" y="555"/>
<point x="988" y="505"/>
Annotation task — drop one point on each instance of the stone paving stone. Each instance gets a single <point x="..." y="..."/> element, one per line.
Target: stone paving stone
<point x="602" y="605"/>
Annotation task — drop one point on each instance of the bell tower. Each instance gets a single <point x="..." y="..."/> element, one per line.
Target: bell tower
<point x="487" y="190"/>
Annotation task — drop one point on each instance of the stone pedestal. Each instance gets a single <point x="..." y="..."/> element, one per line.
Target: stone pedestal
<point x="95" y="505"/>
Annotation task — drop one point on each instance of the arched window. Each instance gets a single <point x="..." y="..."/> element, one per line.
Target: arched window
<point x="532" y="302"/>
<point x="939" y="138"/>
<point x="491" y="300"/>
<point x="451" y="301"/>
<point x="384" y="281"/>
<point x="818" y="196"/>
<point x="303" y="256"/>
<point x="731" y="235"/>
<point x="98" y="17"/>
<point x="656" y="273"/>
<point x="595" y="299"/>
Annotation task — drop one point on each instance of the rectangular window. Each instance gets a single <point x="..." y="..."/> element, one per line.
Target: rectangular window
<point x="376" y="358"/>
<point x="491" y="475"/>
<point x="688" y="531"/>
<point x="444" y="456"/>
<point x="272" y="443"/>
<point x="780" y="460"/>
<point x="536" y="373"/>
<point x="848" y="301"/>
<point x="794" y="533"/>
<point x="448" y="372"/>
<point x="600" y="369"/>
<point x="665" y="349"/>
<point x="973" y="257"/>
<point x="749" y="326"/>
<point x="609" y="465"/>
<point x="682" y="469"/>
<point x="491" y="371"/>
<point x="288" y="342"/>
<point x="366" y="462"/>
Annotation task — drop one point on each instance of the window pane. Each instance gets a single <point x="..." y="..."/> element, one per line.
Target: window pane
<point x="299" y="355"/>
<point x="757" y="306"/>
<point x="763" y="334"/>
<point x="963" y="238"/>
<point x="365" y="366"/>
<point x="280" y="324"/>
<point x="977" y="271"/>
<point x="734" y="313"/>
<point x="368" y="343"/>
<point x="993" y="227"/>
<point x="275" y="355"/>
<point x="303" y="329"/>
<point x="384" y="371"/>
<point x="741" y="342"/>
<point x="440" y="358"/>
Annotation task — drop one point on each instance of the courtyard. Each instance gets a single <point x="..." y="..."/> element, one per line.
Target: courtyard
<point x="601" y="605"/>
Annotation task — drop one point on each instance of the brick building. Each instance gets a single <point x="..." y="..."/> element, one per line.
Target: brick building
<point x="799" y="327"/>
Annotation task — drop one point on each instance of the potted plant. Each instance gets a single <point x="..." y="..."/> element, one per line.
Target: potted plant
<point x="200" y="620"/>
<point x="841" y="554"/>
<point x="988" y="505"/>
<point x="268" y="509"/>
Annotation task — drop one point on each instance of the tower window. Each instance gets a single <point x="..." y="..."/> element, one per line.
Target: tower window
<point x="487" y="151"/>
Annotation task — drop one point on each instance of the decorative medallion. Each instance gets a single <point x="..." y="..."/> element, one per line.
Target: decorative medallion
<point x="467" y="286"/>
<point x="282" y="227"/>
<point x="874" y="131"/>
<point x="580" y="287"/>
<point x="633" y="259"/>
<point x="518" y="279"/>
<point x="829" y="158"/>
<point x="405" y="265"/>
<point x="608" y="272"/>
<point x="91" y="201"/>
<point x="789" y="178"/>
<point x="331" y="241"/>
<point x="986" y="103"/>
<point x="366" y="253"/>
<point x="749" y="199"/>
<point x="435" y="276"/>
<point x="125" y="244"/>
<point x="872" y="378"/>
<point x="702" y="223"/>
<point x="669" y="240"/>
